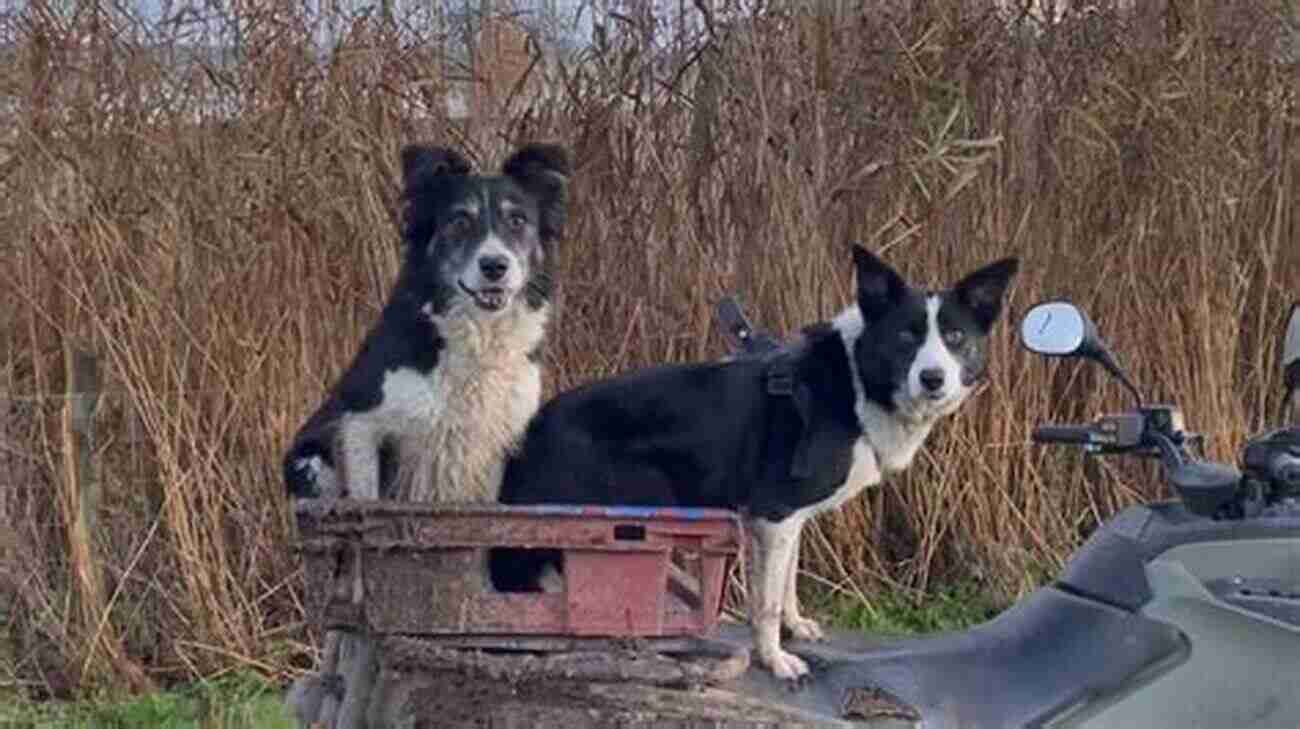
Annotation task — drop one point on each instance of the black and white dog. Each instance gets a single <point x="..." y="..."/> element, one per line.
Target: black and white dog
<point x="445" y="382"/>
<point x="780" y="437"/>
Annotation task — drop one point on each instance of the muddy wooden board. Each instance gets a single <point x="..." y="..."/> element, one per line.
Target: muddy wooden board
<point x="501" y="695"/>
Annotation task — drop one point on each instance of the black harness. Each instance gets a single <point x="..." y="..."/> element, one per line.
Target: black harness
<point x="781" y="383"/>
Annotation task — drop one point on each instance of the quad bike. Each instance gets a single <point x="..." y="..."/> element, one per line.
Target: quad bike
<point x="1181" y="613"/>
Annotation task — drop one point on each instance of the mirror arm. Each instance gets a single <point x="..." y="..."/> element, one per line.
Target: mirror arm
<point x="1112" y="366"/>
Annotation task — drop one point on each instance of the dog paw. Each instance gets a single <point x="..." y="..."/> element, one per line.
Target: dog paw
<point x="785" y="666"/>
<point x="804" y="629"/>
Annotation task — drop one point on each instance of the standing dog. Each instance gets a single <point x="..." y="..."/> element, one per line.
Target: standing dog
<point x="780" y="437"/>
<point x="445" y="382"/>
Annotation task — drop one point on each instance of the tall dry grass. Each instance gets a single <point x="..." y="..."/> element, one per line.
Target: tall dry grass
<point x="223" y="267"/>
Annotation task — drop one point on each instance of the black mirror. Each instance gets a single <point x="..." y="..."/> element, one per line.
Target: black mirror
<point x="1061" y="329"/>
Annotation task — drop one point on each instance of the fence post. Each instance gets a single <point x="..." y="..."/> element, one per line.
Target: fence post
<point x="81" y="484"/>
<point x="82" y="368"/>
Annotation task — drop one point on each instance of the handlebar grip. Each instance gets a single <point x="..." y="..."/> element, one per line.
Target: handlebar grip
<point x="1285" y="468"/>
<point x="1063" y="434"/>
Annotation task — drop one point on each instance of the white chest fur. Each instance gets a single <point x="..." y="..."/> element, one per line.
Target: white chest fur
<point x="453" y="427"/>
<point x="485" y="390"/>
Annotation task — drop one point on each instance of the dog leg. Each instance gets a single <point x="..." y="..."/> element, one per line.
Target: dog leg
<point x="358" y="460"/>
<point x="773" y="543"/>
<point x="416" y="464"/>
<point x="800" y="627"/>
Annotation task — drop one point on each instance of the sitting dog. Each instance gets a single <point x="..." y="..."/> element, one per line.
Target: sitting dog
<point x="780" y="436"/>
<point x="445" y="382"/>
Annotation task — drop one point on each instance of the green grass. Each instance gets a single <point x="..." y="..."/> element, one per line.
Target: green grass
<point x="948" y="608"/>
<point x="231" y="702"/>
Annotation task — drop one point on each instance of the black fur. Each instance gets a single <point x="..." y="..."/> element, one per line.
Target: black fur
<point x="710" y="434"/>
<point x="683" y="435"/>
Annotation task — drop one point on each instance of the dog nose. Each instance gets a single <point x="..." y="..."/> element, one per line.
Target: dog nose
<point x="493" y="267"/>
<point x="932" y="379"/>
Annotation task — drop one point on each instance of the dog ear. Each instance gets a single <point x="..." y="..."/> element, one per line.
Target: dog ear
<point x="424" y="165"/>
<point x="543" y="170"/>
<point x="422" y="161"/>
<point x="879" y="286"/>
<point x="981" y="292"/>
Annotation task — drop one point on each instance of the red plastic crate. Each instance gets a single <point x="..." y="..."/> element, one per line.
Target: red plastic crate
<point x="417" y="569"/>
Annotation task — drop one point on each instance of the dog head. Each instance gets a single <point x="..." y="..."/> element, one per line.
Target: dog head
<point x="477" y="244"/>
<point x="921" y="353"/>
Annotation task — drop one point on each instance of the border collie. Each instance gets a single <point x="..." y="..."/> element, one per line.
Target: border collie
<point x="445" y="382"/>
<point x="780" y="437"/>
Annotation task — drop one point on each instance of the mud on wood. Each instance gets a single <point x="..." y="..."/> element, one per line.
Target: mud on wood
<point x="447" y="699"/>
<point x="424" y="685"/>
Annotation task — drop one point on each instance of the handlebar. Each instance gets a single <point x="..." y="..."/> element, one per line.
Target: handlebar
<point x="1285" y="469"/>
<point x="1208" y="489"/>
<point x="1063" y="434"/>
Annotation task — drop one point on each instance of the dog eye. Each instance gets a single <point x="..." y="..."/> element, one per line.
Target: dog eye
<point x="907" y="336"/>
<point x="954" y="337"/>
<point x="460" y="225"/>
<point x="517" y="221"/>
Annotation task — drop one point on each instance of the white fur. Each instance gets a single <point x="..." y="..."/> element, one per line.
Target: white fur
<point x="323" y="476"/>
<point x="487" y="389"/>
<point x="472" y="275"/>
<point x="888" y="444"/>
<point x="454" y="427"/>
<point x="934" y="354"/>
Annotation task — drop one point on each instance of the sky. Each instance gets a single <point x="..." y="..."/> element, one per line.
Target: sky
<point x="568" y="22"/>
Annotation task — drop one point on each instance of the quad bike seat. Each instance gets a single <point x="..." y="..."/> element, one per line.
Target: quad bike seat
<point x="1033" y="661"/>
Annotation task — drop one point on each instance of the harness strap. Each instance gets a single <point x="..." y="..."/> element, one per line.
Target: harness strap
<point x="778" y="377"/>
<point x="780" y="382"/>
